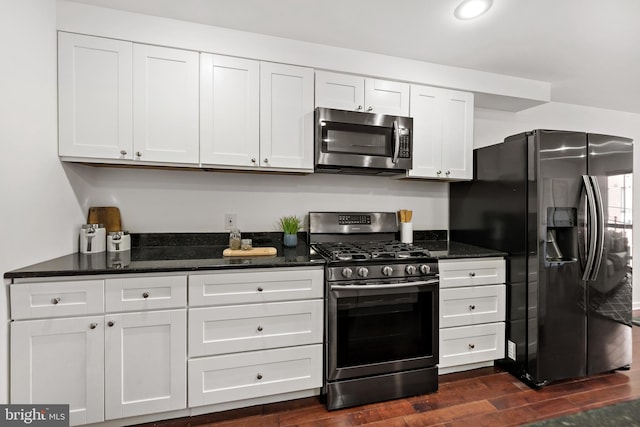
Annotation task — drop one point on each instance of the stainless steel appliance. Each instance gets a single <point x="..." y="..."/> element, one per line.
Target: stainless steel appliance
<point x="560" y="204"/>
<point x="381" y="317"/>
<point x="362" y="143"/>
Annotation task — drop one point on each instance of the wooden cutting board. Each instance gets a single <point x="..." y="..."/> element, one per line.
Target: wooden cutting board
<point x="250" y="252"/>
<point x="107" y="215"/>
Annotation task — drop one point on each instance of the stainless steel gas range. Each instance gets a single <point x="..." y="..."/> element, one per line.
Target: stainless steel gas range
<point x="381" y="314"/>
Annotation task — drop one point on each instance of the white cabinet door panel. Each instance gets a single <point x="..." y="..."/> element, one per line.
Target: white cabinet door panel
<point x="472" y="305"/>
<point x="56" y="299"/>
<point x="60" y="361"/>
<point x="457" y="135"/>
<point x="145" y="293"/>
<point x="386" y="97"/>
<point x="471" y="344"/>
<point x="339" y="91"/>
<point x="145" y="363"/>
<point x="471" y="272"/>
<point x="286" y="116"/>
<point x="229" y="111"/>
<point x="240" y="376"/>
<point x="427" y="131"/>
<point x="165" y="104"/>
<point x="94" y="97"/>
<point x="236" y="328"/>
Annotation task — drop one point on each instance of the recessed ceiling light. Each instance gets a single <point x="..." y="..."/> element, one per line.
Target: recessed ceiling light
<point x="470" y="9"/>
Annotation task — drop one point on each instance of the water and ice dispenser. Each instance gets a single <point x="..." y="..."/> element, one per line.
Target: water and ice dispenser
<point x="562" y="235"/>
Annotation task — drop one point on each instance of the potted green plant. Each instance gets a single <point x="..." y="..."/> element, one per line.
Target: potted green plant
<point x="290" y="226"/>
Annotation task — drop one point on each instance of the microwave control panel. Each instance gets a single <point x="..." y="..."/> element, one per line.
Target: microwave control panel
<point x="405" y="148"/>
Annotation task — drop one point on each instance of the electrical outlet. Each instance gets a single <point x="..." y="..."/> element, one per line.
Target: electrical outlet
<point x="229" y="221"/>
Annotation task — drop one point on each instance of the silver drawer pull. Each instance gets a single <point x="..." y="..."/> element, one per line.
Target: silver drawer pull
<point x="55" y="300"/>
<point x="260" y="289"/>
<point x="472" y="274"/>
<point x="259" y="376"/>
<point x="472" y="346"/>
<point x="472" y="307"/>
<point x="111" y="323"/>
<point x="259" y="328"/>
<point x="145" y="295"/>
<point x="93" y="325"/>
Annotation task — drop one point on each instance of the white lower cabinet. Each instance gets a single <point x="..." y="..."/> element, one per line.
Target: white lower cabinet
<point x="472" y="313"/>
<point x="254" y="334"/>
<point x="106" y="365"/>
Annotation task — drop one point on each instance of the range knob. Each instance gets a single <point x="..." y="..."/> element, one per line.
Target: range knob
<point x="363" y="271"/>
<point x="410" y="269"/>
<point x="347" y="272"/>
<point x="425" y="269"/>
<point x="387" y="271"/>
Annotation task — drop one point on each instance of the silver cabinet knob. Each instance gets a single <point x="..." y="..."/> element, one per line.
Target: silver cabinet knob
<point x="55" y="300"/>
<point x="472" y="346"/>
<point x="448" y="173"/>
<point x="259" y="376"/>
<point x="359" y="108"/>
<point x="438" y="172"/>
<point x="472" y="307"/>
<point x="123" y="152"/>
<point x="260" y="289"/>
<point x="111" y="323"/>
<point x="370" y="109"/>
<point x="253" y="160"/>
<point x="259" y="328"/>
<point x="266" y="160"/>
<point x="145" y="295"/>
<point x="138" y="153"/>
<point x="472" y="274"/>
<point x="93" y="325"/>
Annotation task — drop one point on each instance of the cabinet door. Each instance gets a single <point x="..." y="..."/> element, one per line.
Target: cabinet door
<point x="165" y="104"/>
<point x="286" y="116"/>
<point x="457" y="135"/>
<point x="229" y="111"/>
<point x="60" y="361"/>
<point x="427" y="132"/>
<point x="94" y="97"/>
<point x="340" y="91"/>
<point x="385" y="97"/>
<point x="145" y="363"/>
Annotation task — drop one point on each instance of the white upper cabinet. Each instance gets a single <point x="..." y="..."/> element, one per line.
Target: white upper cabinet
<point x="229" y="111"/>
<point x="442" y="133"/>
<point x="95" y="97"/>
<point x="165" y="104"/>
<point x="286" y="117"/>
<point x="357" y="93"/>
<point x="125" y="101"/>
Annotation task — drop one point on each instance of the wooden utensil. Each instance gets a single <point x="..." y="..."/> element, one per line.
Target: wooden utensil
<point x="107" y="215"/>
<point x="250" y="252"/>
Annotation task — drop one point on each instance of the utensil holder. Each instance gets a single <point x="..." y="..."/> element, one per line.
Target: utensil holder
<point x="406" y="232"/>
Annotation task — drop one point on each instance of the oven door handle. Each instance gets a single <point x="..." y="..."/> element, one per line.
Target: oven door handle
<point x="386" y="286"/>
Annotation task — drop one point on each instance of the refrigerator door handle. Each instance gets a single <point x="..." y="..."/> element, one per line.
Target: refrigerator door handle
<point x="601" y="227"/>
<point x="592" y="227"/>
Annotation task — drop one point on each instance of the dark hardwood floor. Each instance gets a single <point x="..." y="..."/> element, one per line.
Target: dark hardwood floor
<point x="479" y="398"/>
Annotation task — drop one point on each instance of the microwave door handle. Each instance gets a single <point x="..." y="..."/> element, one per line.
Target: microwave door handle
<point x="396" y="141"/>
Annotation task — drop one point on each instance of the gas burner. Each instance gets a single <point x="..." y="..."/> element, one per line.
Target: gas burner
<point x="361" y="251"/>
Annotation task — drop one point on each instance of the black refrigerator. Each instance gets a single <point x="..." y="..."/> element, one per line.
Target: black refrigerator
<point x="559" y="203"/>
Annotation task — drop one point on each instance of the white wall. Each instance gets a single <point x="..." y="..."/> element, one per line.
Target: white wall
<point x="493" y="126"/>
<point x="39" y="210"/>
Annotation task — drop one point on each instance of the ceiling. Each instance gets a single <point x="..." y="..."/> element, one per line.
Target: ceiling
<point x="589" y="50"/>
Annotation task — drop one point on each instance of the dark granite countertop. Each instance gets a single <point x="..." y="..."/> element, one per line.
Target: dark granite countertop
<point x="173" y="252"/>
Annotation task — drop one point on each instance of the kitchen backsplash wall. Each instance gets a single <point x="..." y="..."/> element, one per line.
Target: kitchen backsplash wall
<point x="196" y="201"/>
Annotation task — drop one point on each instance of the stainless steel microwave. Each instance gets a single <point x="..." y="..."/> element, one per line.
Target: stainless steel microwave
<point x="362" y="143"/>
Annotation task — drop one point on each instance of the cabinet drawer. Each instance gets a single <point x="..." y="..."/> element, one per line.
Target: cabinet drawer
<point x="145" y="293"/>
<point x="472" y="305"/>
<point x="471" y="344"/>
<point x="231" y="329"/>
<point x="254" y="374"/>
<point x="56" y="299"/>
<point x="471" y="272"/>
<point x="239" y="287"/>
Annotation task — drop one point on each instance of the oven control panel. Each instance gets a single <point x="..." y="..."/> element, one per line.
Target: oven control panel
<point x="383" y="271"/>
<point x="354" y="219"/>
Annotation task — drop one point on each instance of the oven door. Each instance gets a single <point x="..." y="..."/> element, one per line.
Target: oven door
<point x="346" y="139"/>
<point x="381" y="327"/>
